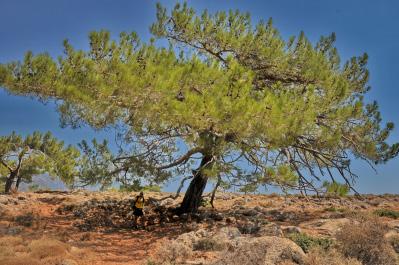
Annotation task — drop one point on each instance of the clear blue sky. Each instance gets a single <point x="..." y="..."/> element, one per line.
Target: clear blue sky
<point x="360" y="25"/>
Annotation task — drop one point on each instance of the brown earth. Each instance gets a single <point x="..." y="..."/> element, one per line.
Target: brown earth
<point x="61" y="216"/>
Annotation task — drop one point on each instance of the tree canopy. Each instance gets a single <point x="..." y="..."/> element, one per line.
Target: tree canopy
<point x="253" y="107"/>
<point x="23" y="158"/>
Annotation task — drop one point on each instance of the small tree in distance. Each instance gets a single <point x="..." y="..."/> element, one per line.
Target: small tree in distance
<point x="228" y="101"/>
<point x="23" y="158"/>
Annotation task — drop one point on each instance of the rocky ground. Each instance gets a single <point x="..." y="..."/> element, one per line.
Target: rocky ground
<point x="96" y="227"/>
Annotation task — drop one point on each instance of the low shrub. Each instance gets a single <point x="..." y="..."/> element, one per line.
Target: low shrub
<point x="307" y="242"/>
<point x="172" y="252"/>
<point x="45" y="247"/>
<point x="33" y="187"/>
<point x="205" y="202"/>
<point x="246" y="254"/>
<point x="394" y="241"/>
<point x="249" y="228"/>
<point x="208" y="244"/>
<point x="152" y="188"/>
<point x="387" y="213"/>
<point x="335" y="210"/>
<point x="364" y="239"/>
<point x="26" y="219"/>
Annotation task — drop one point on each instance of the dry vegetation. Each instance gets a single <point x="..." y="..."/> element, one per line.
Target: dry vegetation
<point x="331" y="257"/>
<point x="46" y="228"/>
<point x="360" y="242"/>
<point x="364" y="239"/>
<point x="44" y="251"/>
<point x="172" y="252"/>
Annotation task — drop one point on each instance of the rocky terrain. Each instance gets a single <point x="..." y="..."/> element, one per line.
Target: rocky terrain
<point x="68" y="228"/>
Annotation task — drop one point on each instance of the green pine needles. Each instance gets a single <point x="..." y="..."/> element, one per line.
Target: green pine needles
<point x="255" y="108"/>
<point x="22" y="158"/>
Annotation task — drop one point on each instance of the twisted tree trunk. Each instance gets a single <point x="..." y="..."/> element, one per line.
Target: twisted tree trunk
<point x="14" y="174"/>
<point x="192" y="198"/>
<point x="10" y="181"/>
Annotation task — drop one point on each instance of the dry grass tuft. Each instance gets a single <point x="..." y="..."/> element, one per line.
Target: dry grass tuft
<point x="209" y="244"/>
<point x="11" y="241"/>
<point x="21" y="260"/>
<point x="14" y="251"/>
<point x="9" y="245"/>
<point x="57" y="261"/>
<point x="45" y="247"/>
<point x="6" y="251"/>
<point x="318" y="256"/>
<point x="172" y="252"/>
<point x="363" y="239"/>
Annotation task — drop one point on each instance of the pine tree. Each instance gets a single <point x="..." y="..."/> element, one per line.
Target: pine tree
<point x="23" y="158"/>
<point x="255" y="109"/>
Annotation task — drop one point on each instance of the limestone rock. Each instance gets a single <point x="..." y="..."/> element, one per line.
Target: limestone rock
<point x="262" y="251"/>
<point x="291" y="229"/>
<point x="270" y="229"/>
<point x="326" y="226"/>
<point x="230" y="232"/>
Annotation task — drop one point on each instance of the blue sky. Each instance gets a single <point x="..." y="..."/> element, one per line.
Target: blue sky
<point x="360" y="26"/>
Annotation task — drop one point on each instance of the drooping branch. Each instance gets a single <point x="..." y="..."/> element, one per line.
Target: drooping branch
<point x="7" y="166"/>
<point x="214" y="190"/>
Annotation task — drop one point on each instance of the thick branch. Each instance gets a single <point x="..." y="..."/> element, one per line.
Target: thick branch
<point x="182" y="159"/>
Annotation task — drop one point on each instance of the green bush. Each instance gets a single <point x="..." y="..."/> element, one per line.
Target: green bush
<point x="33" y="187"/>
<point x="336" y="189"/>
<point x="153" y="188"/>
<point x="205" y="202"/>
<point x="307" y="242"/>
<point x="387" y="213"/>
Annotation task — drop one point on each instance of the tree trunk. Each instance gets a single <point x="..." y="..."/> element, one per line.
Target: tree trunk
<point x="19" y="179"/>
<point x="192" y="198"/>
<point x="9" y="182"/>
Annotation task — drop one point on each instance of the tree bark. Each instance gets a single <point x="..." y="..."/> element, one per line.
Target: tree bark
<point x="192" y="198"/>
<point x="14" y="174"/>
<point x="19" y="179"/>
<point x="9" y="182"/>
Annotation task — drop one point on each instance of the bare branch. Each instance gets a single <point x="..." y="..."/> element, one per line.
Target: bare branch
<point x="214" y="190"/>
<point x="179" y="189"/>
